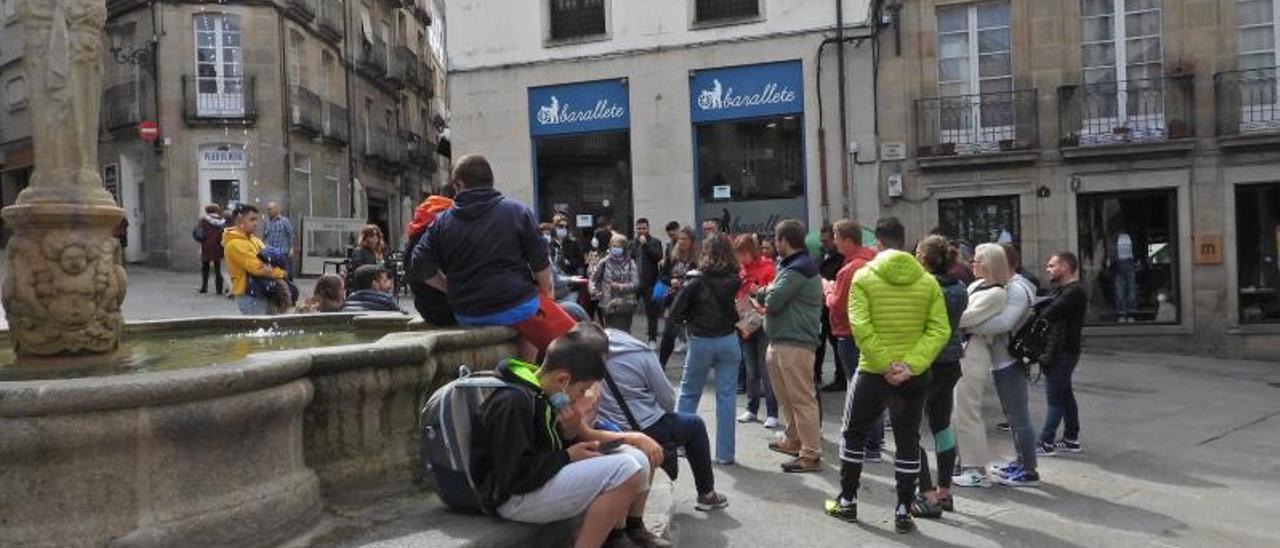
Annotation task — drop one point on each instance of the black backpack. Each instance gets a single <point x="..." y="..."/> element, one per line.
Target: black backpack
<point x="199" y="233"/>
<point x="1030" y="342"/>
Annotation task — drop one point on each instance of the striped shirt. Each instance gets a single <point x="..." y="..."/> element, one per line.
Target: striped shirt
<point x="278" y="233"/>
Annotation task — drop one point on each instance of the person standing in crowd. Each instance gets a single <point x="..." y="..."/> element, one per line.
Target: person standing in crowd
<point x="210" y="227"/>
<point x="768" y="249"/>
<point x="567" y="250"/>
<point x="987" y="297"/>
<point x="329" y="295"/>
<point x="647" y="252"/>
<point x="615" y="282"/>
<point x="756" y="274"/>
<point x="848" y="238"/>
<point x="832" y="262"/>
<point x="899" y="320"/>
<point x="681" y="260"/>
<point x="242" y="248"/>
<point x="673" y="234"/>
<point x="710" y="227"/>
<point x="642" y="386"/>
<point x="792" y="308"/>
<point x="705" y="307"/>
<point x="481" y="254"/>
<point x="595" y="258"/>
<point x="430" y="302"/>
<point x="1065" y="313"/>
<point x="937" y="255"/>
<point x="278" y="233"/>
<point x="370" y="249"/>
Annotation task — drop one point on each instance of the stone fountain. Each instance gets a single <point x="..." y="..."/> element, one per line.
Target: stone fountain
<point x="65" y="282"/>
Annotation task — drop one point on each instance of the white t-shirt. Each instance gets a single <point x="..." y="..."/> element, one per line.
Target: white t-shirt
<point x="1124" y="247"/>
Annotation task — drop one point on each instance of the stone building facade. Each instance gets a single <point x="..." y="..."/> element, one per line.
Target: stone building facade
<point x="702" y="109"/>
<point x="323" y="106"/>
<point x="1143" y="135"/>
<point x="15" y="123"/>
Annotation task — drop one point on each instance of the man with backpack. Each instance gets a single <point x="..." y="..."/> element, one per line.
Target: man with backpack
<point x="535" y="460"/>
<point x="637" y="396"/>
<point x="1064" y="313"/>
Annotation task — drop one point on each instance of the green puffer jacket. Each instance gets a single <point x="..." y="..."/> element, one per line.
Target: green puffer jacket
<point x="898" y="314"/>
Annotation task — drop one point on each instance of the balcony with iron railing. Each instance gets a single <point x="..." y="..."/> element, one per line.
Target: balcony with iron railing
<point x="982" y="128"/>
<point x="401" y="58"/>
<point x="300" y="10"/>
<point x="373" y="58"/>
<point x="384" y="149"/>
<point x="330" y="24"/>
<point x="422" y="11"/>
<point x="1153" y="114"/>
<point x="121" y="106"/>
<point x="307" y="115"/>
<point x="219" y="100"/>
<point x="336" y="130"/>
<point x="1247" y="107"/>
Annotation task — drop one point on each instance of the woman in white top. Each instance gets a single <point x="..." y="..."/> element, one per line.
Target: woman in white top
<point x="987" y="298"/>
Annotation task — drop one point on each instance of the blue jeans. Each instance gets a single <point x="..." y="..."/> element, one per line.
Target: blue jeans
<point x="687" y="431"/>
<point x="1012" y="388"/>
<point x="849" y="354"/>
<point x="722" y="354"/>
<point x="1061" y="400"/>
<point x="1126" y="288"/>
<point x="251" y="306"/>
<point x="758" y="383"/>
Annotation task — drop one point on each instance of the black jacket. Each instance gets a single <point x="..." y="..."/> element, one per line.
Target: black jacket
<point x="647" y="257"/>
<point x="368" y="300"/>
<point x="1065" y="313"/>
<point x="832" y="262"/>
<point x="570" y="258"/>
<point x="517" y="445"/>
<point x="431" y="303"/>
<point x="706" y="304"/>
<point x="487" y="246"/>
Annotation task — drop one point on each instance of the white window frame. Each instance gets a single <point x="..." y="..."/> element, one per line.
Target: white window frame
<point x="301" y="167"/>
<point x="333" y="179"/>
<point x="1120" y="65"/>
<point x="975" y="137"/>
<point x="228" y="101"/>
<point x="1254" y="117"/>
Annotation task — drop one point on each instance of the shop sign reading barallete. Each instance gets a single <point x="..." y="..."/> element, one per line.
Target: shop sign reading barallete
<point x="750" y="91"/>
<point x="579" y="107"/>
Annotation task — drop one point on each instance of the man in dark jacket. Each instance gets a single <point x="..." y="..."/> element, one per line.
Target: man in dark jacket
<point x="793" y="310"/>
<point x="373" y="286"/>
<point x="832" y="262"/>
<point x="534" y="459"/>
<point x="480" y="253"/>
<point x="1065" y="313"/>
<point x="647" y="252"/>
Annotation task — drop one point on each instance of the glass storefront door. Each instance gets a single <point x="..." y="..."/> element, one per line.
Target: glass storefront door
<point x="980" y="220"/>
<point x="586" y="174"/>
<point x="1129" y="256"/>
<point x="1258" y="252"/>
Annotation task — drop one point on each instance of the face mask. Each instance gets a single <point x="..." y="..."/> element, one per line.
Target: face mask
<point x="615" y="251"/>
<point x="561" y="233"/>
<point x="546" y="236"/>
<point x="558" y="401"/>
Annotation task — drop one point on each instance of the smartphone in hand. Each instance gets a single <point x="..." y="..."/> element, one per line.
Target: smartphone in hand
<point x="609" y="447"/>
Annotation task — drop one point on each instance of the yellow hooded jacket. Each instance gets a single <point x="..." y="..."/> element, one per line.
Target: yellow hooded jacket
<point x="241" y="254"/>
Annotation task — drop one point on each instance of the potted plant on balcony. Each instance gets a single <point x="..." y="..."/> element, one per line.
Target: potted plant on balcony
<point x="1007" y="145"/>
<point x="924" y="151"/>
<point x="1070" y="140"/>
<point x="945" y="149"/>
<point x="1179" y="129"/>
<point x="1121" y="132"/>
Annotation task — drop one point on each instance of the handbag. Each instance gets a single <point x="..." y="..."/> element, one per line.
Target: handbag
<point x="660" y="290"/>
<point x="670" y="464"/>
<point x="749" y="320"/>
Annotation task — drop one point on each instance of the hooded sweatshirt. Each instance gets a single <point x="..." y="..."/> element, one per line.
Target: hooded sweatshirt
<point x="517" y="445"/>
<point x="898" y="314"/>
<point x="242" y="258"/>
<point x="640" y="379"/>
<point x="487" y="247"/>
<point x="794" y="303"/>
<point x="211" y="246"/>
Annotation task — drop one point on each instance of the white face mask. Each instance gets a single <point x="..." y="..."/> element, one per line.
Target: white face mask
<point x="561" y="233"/>
<point x="616" y="251"/>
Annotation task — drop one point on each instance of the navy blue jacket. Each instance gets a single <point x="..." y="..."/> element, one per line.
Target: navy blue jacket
<point x="488" y="247"/>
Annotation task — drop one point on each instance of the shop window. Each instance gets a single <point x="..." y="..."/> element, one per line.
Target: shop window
<point x="1258" y="252"/>
<point x="751" y="173"/>
<point x="586" y="174"/>
<point x="980" y="220"/>
<point x="1129" y="256"/>
<point x="711" y="11"/>
<point x="574" y="19"/>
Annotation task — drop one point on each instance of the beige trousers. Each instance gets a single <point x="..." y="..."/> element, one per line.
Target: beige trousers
<point x="971" y="430"/>
<point x="791" y="370"/>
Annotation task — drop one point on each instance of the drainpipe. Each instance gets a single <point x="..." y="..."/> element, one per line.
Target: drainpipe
<point x="287" y="118"/>
<point x="349" y="65"/>
<point x="844" y="122"/>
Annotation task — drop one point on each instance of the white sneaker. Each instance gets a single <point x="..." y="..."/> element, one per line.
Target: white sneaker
<point x="747" y="416"/>
<point x="771" y="422"/>
<point x="971" y="478"/>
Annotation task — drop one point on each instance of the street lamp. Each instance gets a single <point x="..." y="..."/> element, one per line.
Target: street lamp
<point x="131" y="54"/>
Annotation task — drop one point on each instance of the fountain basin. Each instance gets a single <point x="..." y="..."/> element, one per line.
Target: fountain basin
<point x="234" y="454"/>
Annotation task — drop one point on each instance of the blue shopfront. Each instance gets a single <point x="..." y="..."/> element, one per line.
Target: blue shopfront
<point x="748" y="145"/>
<point x="581" y="141"/>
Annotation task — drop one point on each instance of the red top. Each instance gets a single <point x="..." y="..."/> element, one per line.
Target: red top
<point x="755" y="275"/>
<point x="837" y="294"/>
<point x="426" y="213"/>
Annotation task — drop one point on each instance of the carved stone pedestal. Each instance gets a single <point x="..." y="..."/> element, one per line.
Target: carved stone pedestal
<point x="65" y="284"/>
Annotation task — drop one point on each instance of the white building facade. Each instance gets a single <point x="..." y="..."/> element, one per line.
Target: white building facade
<point x="681" y="110"/>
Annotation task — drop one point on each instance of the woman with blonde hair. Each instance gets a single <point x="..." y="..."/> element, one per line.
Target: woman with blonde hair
<point x="371" y="249"/>
<point x="987" y="297"/>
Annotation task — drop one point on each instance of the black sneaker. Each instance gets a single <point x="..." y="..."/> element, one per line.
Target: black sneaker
<point x="922" y="508"/>
<point x="711" y="501"/>
<point x="842" y="509"/>
<point x="1068" y="446"/>
<point x="902" y="521"/>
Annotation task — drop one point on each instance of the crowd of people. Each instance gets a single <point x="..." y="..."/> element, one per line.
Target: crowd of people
<point x="919" y="333"/>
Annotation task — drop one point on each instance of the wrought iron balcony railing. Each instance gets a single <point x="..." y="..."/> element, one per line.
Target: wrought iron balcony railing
<point x="1247" y="102"/>
<point x="121" y="106"/>
<point x="331" y="20"/>
<point x="335" y="124"/>
<point x="1126" y="112"/>
<point x="981" y="123"/>
<point x="307" y="116"/>
<point x="219" y="99"/>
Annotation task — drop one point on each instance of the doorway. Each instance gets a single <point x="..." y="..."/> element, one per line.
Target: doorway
<point x="586" y="174"/>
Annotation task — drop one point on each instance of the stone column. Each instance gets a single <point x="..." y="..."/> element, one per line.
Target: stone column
<point x="65" y="284"/>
